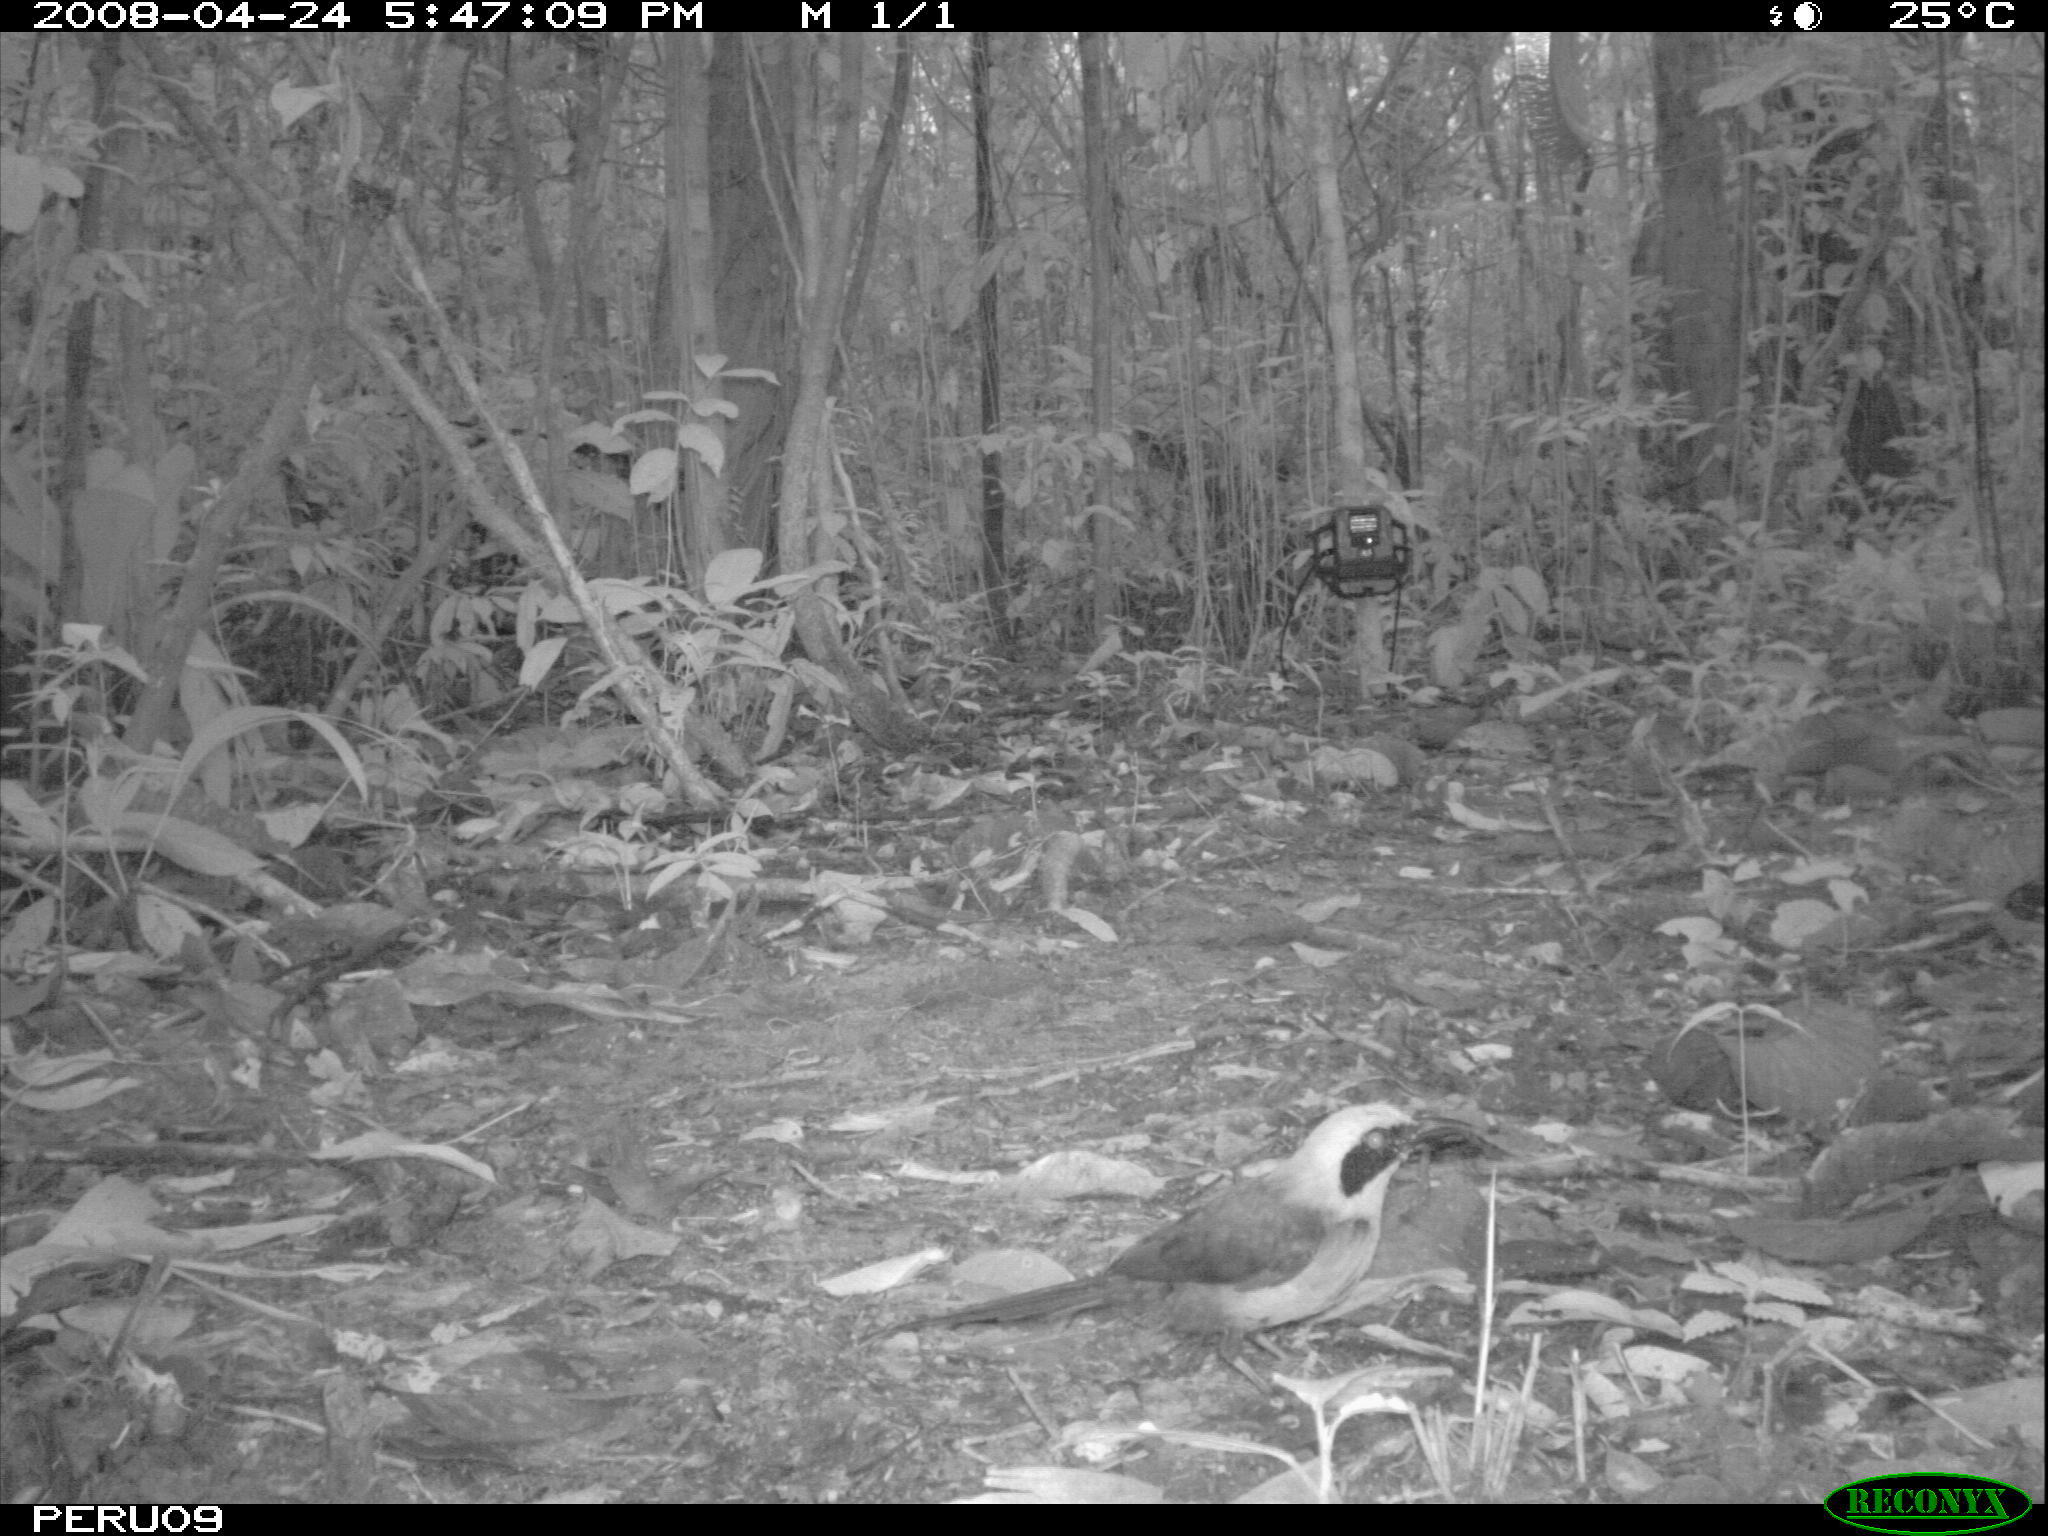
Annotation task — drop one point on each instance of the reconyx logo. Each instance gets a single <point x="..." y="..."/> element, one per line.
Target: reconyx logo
<point x="1945" y="1503"/>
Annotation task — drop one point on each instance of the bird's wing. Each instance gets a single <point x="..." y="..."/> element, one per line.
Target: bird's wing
<point x="1246" y="1237"/>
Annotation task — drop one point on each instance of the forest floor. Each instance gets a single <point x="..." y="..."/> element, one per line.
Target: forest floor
<point x="636" y="1202"/>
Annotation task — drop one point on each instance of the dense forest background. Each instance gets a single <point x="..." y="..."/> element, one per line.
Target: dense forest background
<point x="1683" y="341"/>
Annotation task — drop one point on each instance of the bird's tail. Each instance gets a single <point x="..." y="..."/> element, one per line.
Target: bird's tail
<point x="1020" y="1306"/>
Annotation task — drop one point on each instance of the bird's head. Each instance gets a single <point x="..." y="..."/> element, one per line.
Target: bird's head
<point x="1347" y="1161"/>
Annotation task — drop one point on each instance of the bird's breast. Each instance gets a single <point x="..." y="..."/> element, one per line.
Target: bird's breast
<point x="1338" y="1263"/>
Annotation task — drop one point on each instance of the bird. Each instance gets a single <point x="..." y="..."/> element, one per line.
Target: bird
<point x="1283" y="1247"/>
